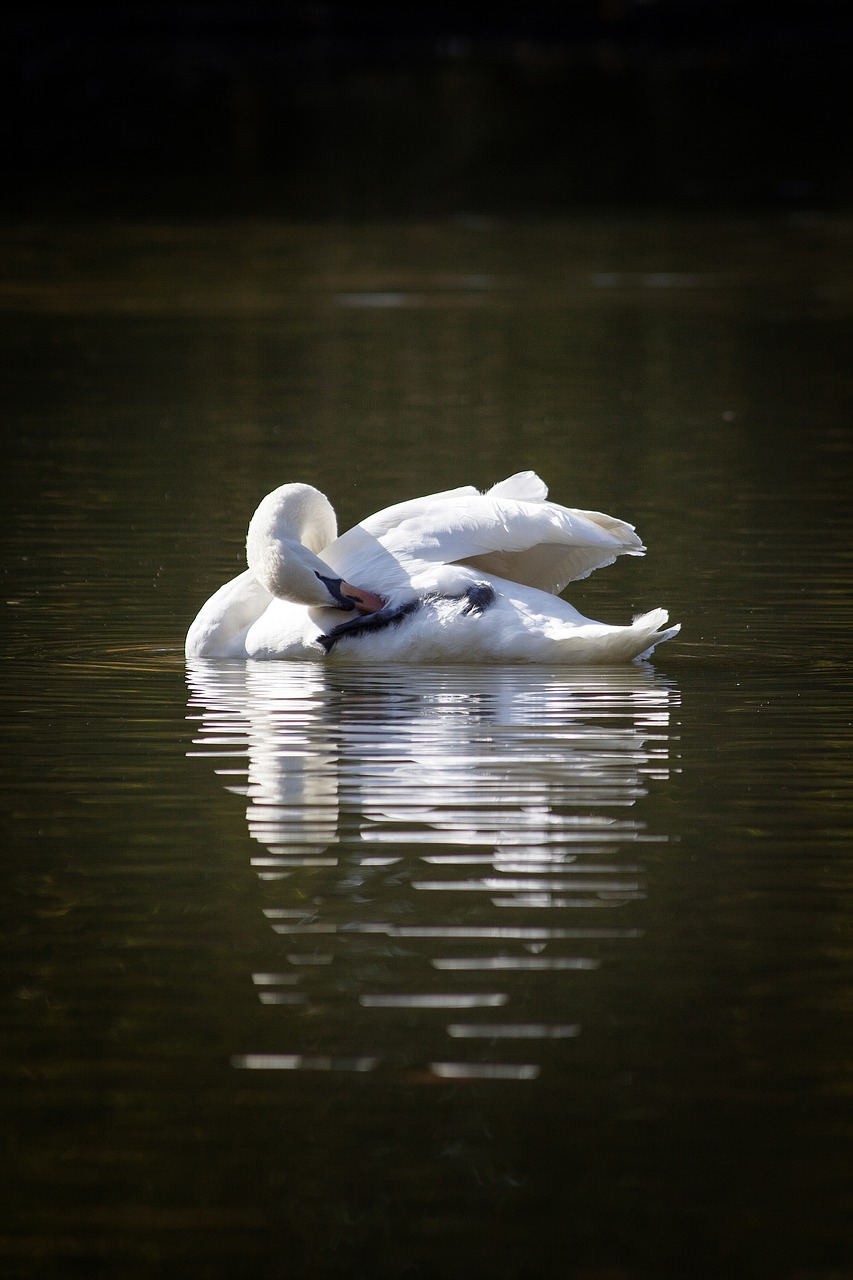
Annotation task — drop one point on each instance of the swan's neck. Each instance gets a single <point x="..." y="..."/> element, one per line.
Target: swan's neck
<point x="290" y="525"/>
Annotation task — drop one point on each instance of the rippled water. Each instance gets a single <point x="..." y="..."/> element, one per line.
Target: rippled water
<point x="326" y="971"/>
<point x="438" y="852"/>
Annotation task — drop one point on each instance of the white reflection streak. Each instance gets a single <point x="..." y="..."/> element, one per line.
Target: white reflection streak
<point x="513" y="771"/>
<point x="529" y="884"/>
<point x="485" y="1071"/>
<point x="513" y="1031"/>
<point x="294" y="862"/>
<point x="515" y="962"/>
<point x="300" y="1062"/>
<point x="292" y="776"/>
<point x="534" y="933"/>
<point x="551" y="901"/>
<point x="437" y="1000"/>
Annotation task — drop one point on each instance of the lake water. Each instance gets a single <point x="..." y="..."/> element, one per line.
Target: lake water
<point x="317" y="971"/>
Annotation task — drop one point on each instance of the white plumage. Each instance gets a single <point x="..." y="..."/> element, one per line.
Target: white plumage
<point x="459" y="576"/>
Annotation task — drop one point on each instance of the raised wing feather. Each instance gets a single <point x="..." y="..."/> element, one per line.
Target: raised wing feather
<point x="413" y="508"/>
<point x="511" y="532"/>
<point x="525" y="485"/>
<point x="536" y="544"/>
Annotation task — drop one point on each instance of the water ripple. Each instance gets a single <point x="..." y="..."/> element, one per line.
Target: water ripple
<point x="512" y="788"/>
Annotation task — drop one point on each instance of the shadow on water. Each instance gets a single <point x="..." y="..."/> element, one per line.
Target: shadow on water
<point x="443" y="858"/>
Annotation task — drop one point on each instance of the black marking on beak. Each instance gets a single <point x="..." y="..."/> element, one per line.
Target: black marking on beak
<point x="333" y="586"/>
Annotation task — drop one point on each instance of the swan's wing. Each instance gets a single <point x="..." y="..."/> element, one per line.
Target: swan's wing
<point x="344" y="553"/>
<point x="550" y="546"/>
<point x="510" y="531"/>
<point x="525" y="485"/>
<point x="390" y="517"/>
<point x="537" y="544"/>
<point x="361" y="555"/>
<point x="585" y="540"/>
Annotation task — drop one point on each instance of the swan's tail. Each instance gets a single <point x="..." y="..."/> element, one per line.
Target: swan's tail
<point x="653" y="626"/>
<point x="597" y="642"/>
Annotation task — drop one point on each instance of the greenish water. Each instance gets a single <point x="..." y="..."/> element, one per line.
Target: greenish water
<point x="415" y="972"/>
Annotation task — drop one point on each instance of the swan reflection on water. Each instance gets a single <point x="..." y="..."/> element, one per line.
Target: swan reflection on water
<point x="446" y="851"/>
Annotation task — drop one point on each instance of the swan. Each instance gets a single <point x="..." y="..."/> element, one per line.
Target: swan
<point x="458" y="576"/>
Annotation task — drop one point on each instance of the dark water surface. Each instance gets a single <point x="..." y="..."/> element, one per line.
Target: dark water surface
<point x="321" y="971"/>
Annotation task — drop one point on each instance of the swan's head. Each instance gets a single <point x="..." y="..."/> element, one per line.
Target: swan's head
<point x="290" y="526"/>
<point x="295" y="511"/>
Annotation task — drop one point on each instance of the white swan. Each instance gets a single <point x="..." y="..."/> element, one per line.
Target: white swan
<point x="454" y="577"/>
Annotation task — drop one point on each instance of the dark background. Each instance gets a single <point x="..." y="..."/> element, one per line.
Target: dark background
<point x="336" y="110"/>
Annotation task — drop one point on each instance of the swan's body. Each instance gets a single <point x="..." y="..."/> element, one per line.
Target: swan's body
<point x="456" y="576"/>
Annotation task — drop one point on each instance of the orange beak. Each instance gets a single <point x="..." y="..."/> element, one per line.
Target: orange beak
<point x="364" y="601"/>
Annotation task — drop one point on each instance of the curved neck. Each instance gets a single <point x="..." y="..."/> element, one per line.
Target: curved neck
<point x="289" y="526"/>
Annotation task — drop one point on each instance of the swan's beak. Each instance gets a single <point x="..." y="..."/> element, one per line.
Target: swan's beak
<point x="346" y="596"/>
<point x="363" y="601"/>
